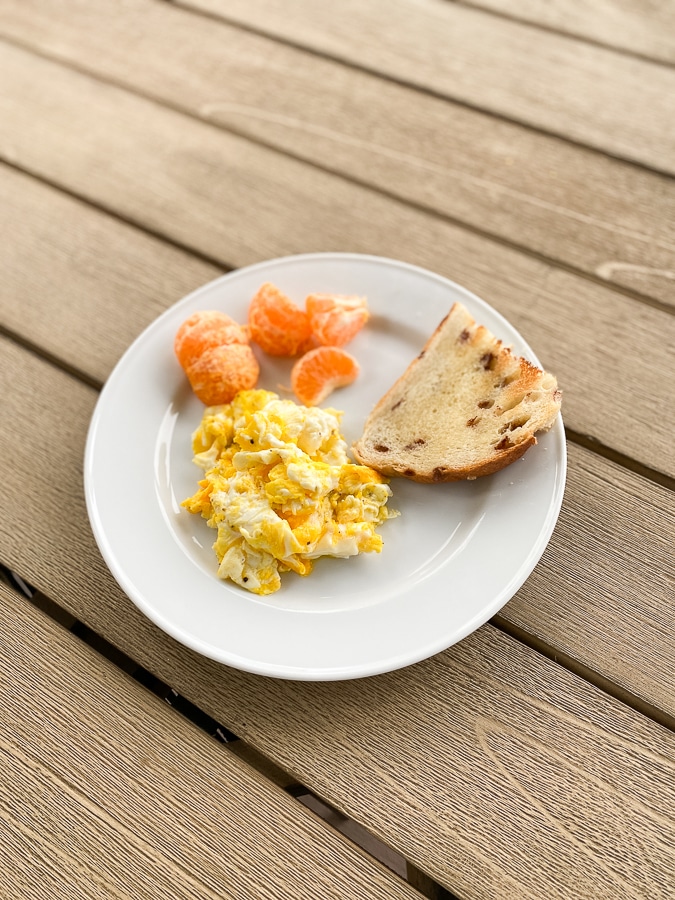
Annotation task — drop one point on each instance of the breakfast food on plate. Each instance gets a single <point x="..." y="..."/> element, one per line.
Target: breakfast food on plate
<point x="282" y="328"/>
<point x="221" y="372"/>
<point x="215" y="354"/>
<point x="333" y="319"/>
<point x="216" y="357"/>
<point x="318" y="372"/>
<point x="465" y="407"/>
<point x="280" y="490"/>
<point x="276" y="324"/>
<point x="204" y="330"/>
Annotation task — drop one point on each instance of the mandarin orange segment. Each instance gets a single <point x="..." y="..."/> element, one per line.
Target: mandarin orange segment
<point x="318" y="372"/>
<point x="203" y="331"/>
<point x="276" y="324"/>
<point x="336" y="319"/>
<point x="220" y="372"/>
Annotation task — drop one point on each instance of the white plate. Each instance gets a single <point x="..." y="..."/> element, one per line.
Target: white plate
<point x="452" y="559"/>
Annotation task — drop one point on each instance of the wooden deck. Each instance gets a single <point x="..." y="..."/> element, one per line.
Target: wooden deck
<point x="525" y="150"/>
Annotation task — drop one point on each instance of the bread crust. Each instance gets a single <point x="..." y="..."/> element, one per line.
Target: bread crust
<point x="464" y="408"/>
<point x="446" y="473"/>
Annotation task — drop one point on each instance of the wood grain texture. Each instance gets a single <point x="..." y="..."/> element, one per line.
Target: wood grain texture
<point x="559" y="771"/>
<point x="599" y="604"/>
<point x="173" y="174"/>
<point x="611" y="523"/>
<point x="617" y="104"/>
<point x="67" y="268"/>
<point x="608" y="218"/>
<point x="106" y="792"/>
<point x="495" y="771"/>
<point x="647" y="29"/>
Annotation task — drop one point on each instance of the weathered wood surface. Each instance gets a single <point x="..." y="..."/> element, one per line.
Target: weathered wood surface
<point x="562" y="85"/>
<point x="609" y="594"/>
<point x="519" y="185"/>
<point x="106" y="792"/>
<point x="646" y="29"/>
<point x="517" y="160"/>
<point x="489" y="724"/>
<point x="171" y="175"/>
<point x="608" y="604"/>
<point x="79" y="284"/>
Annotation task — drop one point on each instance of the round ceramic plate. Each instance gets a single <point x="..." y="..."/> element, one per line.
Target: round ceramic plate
<point x="452" y="559"/>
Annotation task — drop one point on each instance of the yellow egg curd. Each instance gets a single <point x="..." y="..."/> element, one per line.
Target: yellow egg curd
<point x="280" y="489"/>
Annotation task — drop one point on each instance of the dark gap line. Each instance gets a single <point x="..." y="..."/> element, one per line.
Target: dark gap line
<point x="585" y="673"/>
<point x="211" y="726"/>
<point x="621" y="459"/>
<point x="422" y="89"/>
<point x="560" y="32"/>
<point x="16" y="582"/>
<point x="51" y="358"/>
<point x="182" y="705"/>
<point x="418" y="206"/>
<point x="117" y="657"/>
<point x="113" y="213"/>
<point x="588" y="442"/>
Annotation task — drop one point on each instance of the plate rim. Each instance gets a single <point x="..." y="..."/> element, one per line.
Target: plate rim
<point x="309" y="673"/>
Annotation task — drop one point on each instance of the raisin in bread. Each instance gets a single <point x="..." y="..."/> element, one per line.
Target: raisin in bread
<point x="465" y="407"/>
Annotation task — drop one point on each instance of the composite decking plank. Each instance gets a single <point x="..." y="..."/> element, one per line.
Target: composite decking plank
<point x="627" y="25"/>
<point x="559" y="84"/>
<point x="107" y="792"/>
<point x="610" y="219"/>
<point x="611" y="594"/>
<point x="171" y="174"/>
<point x="557" y="769"/>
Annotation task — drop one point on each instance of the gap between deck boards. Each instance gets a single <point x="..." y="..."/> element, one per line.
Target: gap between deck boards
<point x="428" y="91"/>
<point x="367" y="842"/>
<point x="418" y="206"/>
<point x="549" y="29"/>
<point x="574" y="437"/>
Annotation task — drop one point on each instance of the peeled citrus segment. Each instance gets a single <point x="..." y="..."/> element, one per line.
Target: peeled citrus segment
<point x="220" y="372"/>
<point x="335" y="319"/>
<point x="318" y="372"/>
<point x="276" y="324"/>
<point x="204" y="330"/>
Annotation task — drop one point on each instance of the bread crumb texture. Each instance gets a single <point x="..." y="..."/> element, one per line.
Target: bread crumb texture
<point x="465" y="407"/>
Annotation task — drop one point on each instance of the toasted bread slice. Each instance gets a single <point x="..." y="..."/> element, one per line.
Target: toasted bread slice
<point x="465" y="407"/>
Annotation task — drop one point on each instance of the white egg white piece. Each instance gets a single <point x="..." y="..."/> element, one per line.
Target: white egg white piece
<point x="281" y="491"/>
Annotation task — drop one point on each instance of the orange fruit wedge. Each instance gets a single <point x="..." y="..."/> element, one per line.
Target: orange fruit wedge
<point x="318" y="372"/>
<point x="220" y="372"/>
<point x="276" y="324"/>
<point x="334" y="319"/>
<point x="204" y="330"/>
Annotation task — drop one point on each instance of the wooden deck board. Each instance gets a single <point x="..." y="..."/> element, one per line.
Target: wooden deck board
<point x="171" y="814"/>
<point x="628" y="25"/>
<point x="558" y="770"/>
<point x="506" y="180"/>
<point x="171" y="174"/>
<point x="588" y="94"/>
<point x="572" y="600"/>
<point x="145" y="149"/>
<point x="610" y="595"/>
<point x="79" y="283"/>
<point x="489" y="724"/>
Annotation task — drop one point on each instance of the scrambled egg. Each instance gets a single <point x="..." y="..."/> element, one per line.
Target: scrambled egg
<point x="280" y="490"/>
